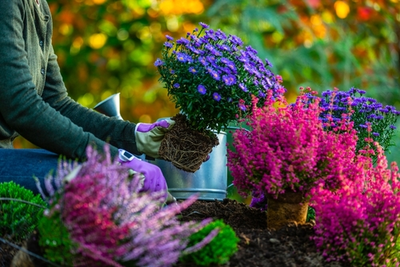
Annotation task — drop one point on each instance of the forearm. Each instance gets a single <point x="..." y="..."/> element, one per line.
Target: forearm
<point x="118" y="133"/>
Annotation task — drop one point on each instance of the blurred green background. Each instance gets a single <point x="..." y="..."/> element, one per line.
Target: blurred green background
<point x="105" y="47"/>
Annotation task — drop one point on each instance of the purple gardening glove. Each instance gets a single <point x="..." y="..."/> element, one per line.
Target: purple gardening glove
<point x="149" y="136"/>
<point x="154" y="180"/>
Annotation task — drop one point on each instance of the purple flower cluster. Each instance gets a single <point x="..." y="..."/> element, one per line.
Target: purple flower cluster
<point x="215" y="72"/>
<point x="287" y="148"/>
<point x="360" y="223"/>
<point x="363" y="111"/>
<point x="111" y="222"/>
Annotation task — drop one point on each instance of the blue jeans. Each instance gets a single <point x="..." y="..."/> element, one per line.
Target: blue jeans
<point x="21" y="165"/>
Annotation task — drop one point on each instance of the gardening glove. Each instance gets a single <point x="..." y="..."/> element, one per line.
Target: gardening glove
<point x="153" y="179"/>
<point x="149" y="136"/>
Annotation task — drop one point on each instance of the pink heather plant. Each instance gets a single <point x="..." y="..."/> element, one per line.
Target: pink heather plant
<point x="287" y="149"/>
<point x="111" y="222"/>
<point x="360" y="223"/>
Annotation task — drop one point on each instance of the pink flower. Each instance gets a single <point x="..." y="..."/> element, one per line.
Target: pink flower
<point x="287" y="148"/>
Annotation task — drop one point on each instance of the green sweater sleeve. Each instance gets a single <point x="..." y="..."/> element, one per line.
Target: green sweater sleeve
<point x="33" y="100"/>
<point x="118" y="133"/>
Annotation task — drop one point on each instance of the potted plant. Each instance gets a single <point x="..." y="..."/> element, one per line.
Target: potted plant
<point x="97" y="216"/>
<point x="286" y="153"/>
<point x="365" y="112"/>
<point x="211" y="77"/>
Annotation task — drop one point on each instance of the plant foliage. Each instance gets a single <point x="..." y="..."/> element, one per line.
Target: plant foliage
<point x="211" y="77"/>
<point x="360" y="222"/>
<point x="364" y="111"/>
<point x="287" y="148"/>
<point x="19" y="218"/>
<point x="219" y="250"/>
<point x="109" y="221"/>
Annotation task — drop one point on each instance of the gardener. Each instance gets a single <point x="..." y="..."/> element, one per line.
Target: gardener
<point x="34" y="103"/>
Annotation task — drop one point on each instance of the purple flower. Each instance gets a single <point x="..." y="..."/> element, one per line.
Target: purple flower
<point x="169" y="37"/>
<point x="158" y="62"/>
<point x="210" y="47"/>
<point x="224" y="47"/>
<point x="268" y="63"/>
<point x="201" y="89"/>
<point x="182" y="57"/>
<point x="226" y="61"/>
<point x="232" y="67"/>
<point x="192" y="70"/>
<point x="202" y="60"/>
<point x="213" y="74"/>
<point x="375" y="134"/>
<point x="229" y="79"/>
<point x="210" y="34"/>
<point x="251" y="51"/>
<point x="236" y="40"/>
<point x="392" y="127"/>
<point x="216" y="53"/>
<point x="193" y="49"/>
<point x="205" y="26"/>
<point x="168" y="44"/>
<point x="243" y="87"/>
<point x="176" y="85"/>
<point x="182" y="41"/>
<point x="242" y="106"/>
<point x="220" y="35"/>
<point x="216" y="96"/>
<point x="249" y="68"/>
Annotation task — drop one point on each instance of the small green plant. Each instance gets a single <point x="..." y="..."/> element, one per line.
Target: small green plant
<point x="310" y="214"/>
<point x="54" y="239"/>
<point x="218" y="251"/>
<point x="20" y="210"/>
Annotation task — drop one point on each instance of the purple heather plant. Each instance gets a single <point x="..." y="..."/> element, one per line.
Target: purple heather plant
<point x="111" y="222"/>
<point x="217" y="77"/>
<point x="287" y="149"/>
<point x="360" y="222"/>
<point x="365" y="110"/>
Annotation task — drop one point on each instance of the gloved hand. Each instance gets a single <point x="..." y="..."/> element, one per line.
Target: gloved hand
<point x="149" y="136"/>
<point x="154" y="180"/>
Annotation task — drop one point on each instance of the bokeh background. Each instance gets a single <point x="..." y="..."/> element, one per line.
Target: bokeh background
<point x="106" y="47"/>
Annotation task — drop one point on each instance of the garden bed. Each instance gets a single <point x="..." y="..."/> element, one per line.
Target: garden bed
<point x="258" y="246"/>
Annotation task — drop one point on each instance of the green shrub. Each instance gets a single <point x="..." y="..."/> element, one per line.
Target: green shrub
<point x="19" y="218"/>
<point x="310" y="214"/>
<point x="218" y="251"/>
<point x="54" y="239"/>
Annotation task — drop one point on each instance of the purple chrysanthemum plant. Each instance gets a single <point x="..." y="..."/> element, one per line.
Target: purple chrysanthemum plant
<point x="211" y="77"/>
<point x="360" y="222"/>
<point x="110" y="222"/>
<point x="287" y="150"/>
<point x="365" y="110"/>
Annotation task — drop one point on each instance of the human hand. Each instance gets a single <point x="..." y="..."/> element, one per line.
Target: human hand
<point x="149" y="136"/>
<point x="154" y="180"/>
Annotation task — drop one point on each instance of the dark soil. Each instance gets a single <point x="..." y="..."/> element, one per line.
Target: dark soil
<point x="258" y="246"/>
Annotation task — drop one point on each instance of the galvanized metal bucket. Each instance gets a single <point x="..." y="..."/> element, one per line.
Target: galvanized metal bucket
<point x="209" y="182"/>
